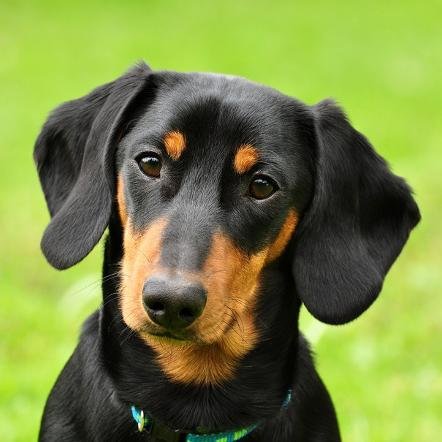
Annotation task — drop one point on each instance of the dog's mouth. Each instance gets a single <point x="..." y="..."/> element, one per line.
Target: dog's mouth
<point x="189" y="336"/>
<point x="204" y="353"/>
<point x="170" y="336"/>
<point x="177" y="337"/>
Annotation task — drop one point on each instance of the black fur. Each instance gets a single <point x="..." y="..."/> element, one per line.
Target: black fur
<point x="355" y="218"/>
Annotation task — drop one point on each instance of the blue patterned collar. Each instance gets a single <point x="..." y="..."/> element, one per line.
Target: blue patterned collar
<point x="146" y="423"/>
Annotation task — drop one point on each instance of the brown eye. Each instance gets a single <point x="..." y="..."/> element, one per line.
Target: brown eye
<point x="150" y="164"/>
<point x="262" y="187"/>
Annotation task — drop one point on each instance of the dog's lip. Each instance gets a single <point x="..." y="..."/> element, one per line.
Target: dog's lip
<point x="182" y="336"/>
<point x="185" y="337"/>
<point x="168" y="334"/>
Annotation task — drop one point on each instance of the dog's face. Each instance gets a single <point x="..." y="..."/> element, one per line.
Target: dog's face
<point x="214" y="180"/>
<point x="211" y="182"/>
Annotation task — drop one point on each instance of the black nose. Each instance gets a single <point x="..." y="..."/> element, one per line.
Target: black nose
<point x="173" y="303"/>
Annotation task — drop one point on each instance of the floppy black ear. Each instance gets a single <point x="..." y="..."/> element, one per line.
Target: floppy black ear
<point x="358" y="221"/>
<point x="73" y="156"/>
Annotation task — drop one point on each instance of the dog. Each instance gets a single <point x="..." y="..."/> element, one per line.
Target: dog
<point x="228" y="205"/>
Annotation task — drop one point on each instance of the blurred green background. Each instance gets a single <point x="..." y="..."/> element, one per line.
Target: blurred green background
<point x="381" y="60"/>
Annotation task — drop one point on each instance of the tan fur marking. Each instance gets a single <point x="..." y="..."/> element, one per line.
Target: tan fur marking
<point x="284" y="235"/>
<point x="226" y="326"/>
<point x="226" y="331"/>
<point x="245" y="158"/>
<point x="175" y="143"/>
<point x="205" y="363"/>
<point x="122" y="210"/>
<point x="141" y="258"/>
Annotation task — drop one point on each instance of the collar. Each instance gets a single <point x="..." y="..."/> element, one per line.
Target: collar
<point x="163" y="433"/>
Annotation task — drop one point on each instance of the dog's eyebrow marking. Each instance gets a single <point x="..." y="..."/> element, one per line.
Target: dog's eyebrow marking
<point x="245" y="158"/>
<point x="175" y="143"/>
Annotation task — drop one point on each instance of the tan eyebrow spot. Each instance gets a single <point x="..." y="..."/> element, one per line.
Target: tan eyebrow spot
<point x="245" y="158"/>
<point x="175" y="143"/>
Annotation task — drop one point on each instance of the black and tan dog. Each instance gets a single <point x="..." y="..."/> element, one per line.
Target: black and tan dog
<point x="228" y="205"/>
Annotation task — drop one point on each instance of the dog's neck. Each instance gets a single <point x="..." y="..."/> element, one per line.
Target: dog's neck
<point x="259" y="381"/>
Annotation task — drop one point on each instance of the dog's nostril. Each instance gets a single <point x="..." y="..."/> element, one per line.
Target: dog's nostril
<point x="156" y="306"/>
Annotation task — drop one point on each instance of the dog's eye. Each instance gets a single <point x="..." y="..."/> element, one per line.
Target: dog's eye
<point x="150" y="164"/>
<point x="262" y="187"/>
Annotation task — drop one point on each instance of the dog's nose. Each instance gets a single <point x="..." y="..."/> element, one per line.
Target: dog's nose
<point x="173" y="303"/>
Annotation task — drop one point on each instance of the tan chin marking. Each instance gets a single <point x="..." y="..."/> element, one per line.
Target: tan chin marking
<point x="175" y="143"/>
<point x="245" y="158"/>
<point x="226" y="330"/>
<point x="204" y="364"/>
<point x="231" y="278"/>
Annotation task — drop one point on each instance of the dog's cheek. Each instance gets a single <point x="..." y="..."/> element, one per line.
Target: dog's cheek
<point x="230" y="278"/>
<point x="141" y="252"/>
<point x="140" y="259"/>
<point x="276" y="249"/>
<point x="243" y="288"/>
<point x="130" y="290"/>
<point x="217" y="273"/>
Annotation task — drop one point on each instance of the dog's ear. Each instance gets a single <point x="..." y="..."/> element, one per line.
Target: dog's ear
<point x="358" y="221"/>
<point x="74" y="157"/>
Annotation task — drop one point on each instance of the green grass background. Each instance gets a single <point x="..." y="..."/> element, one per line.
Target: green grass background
<point x="381" y="60"/>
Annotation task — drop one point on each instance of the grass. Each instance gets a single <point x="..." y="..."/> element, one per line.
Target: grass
<point x="381" y="60"/>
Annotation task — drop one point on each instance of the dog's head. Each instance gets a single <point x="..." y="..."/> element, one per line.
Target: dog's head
<point x="214" y="180"/>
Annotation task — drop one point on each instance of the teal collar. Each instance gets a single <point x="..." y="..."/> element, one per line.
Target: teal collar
<point x="146" y="423"/>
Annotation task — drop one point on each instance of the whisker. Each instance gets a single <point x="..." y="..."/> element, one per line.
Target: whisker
<point x="111" y="297"/>
<point x="93" y="284"/>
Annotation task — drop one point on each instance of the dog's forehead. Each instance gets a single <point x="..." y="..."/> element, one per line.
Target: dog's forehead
<point x="217" y="111"/>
